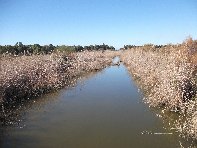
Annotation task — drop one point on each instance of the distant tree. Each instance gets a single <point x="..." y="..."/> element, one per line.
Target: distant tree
<point x="36" y="49"/>
<point x="111" y="48"/>
<point x="78" y="48"/>
<point x="92" y="47"/>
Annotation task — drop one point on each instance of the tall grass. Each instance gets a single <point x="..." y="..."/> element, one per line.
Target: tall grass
<point x="30" y="76"/>
<point x="168" y="77"/>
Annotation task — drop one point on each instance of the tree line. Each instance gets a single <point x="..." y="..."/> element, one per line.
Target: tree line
<point x="145" y="45"/>
<point x="20" y="49"/>
<point x="192" y="44"/>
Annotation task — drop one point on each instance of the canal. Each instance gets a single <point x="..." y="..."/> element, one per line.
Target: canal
<point x="103" y="110"/>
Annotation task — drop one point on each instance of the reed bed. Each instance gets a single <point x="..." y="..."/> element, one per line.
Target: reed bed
<point x="168" y="78"/>
<point x="25" y="77"/>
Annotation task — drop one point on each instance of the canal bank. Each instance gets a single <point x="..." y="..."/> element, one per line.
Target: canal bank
<point x="105" y="110"/>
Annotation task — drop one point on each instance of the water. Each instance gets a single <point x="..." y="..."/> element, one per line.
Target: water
<point x="104" y="110"/>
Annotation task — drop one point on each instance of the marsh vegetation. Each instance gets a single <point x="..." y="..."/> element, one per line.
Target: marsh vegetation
<point x="169" y="79"/>
<point x="166" y="74"/>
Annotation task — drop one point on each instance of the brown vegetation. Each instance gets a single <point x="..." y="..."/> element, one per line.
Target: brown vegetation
<point x="29" y="76"/>
<point x="168" y="76"/>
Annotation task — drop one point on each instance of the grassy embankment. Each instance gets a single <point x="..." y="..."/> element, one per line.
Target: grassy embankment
<point x="24" y="77"/>
<point x="168" y="75"/>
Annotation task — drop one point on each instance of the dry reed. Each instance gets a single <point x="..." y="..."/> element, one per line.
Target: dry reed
<point x="30" y="76"/>
<point x="168" y="77"/>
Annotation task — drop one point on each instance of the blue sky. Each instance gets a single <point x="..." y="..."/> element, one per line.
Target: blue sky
<point x="85" y="22"/>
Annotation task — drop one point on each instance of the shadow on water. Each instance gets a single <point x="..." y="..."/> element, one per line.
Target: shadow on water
<point x="103" y="110"/>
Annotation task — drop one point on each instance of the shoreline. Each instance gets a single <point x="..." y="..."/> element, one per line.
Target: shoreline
<point x="168" y="75"/>
<point x="26" y="77"/>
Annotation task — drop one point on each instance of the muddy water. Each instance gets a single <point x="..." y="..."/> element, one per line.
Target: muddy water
<point x="103" y="111"/>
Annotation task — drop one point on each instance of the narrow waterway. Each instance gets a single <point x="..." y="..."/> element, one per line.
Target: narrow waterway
<point x="102" y="111"/>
